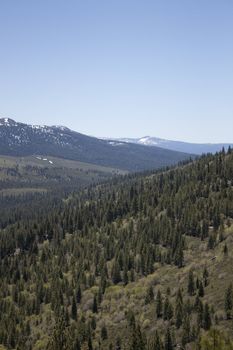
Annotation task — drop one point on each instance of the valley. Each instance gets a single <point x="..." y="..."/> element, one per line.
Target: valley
<point x="140" y="261"/>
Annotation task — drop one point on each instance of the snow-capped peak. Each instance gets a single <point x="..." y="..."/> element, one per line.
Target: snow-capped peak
<point x="7" y="122"/>
<point x="147" y="140"/>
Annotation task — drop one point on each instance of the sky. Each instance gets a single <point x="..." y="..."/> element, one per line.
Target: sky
<point x="120" y="68"/>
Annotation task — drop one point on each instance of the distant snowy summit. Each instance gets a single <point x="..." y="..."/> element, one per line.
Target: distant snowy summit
<point x="180" y="146"/>
<point x="145" y="140"/>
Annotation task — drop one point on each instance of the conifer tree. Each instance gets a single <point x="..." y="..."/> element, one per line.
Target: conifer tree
<point x="229" y="302"/>
<point x="125" y="275"/>
<point x="74" y="309"/>
<point x="149" y="295"/>
<point x="200" y="313"/>
<point x="116" y="275"/>
<point x="78" y="295"/>
<point x="206" y="317"/>
<point x="104" y="333"/>
<point x="155" y="342"/>
<point x="167" y="309"/>
<point x="90" y="347"/>
<point x="205" y="276"/>
<point x="225" y="249"/>
<point x="186" y="334"/>
<point x="159" y="304"/>
<point x="179" y="309"/>
<point x="191" y="284"/>
<point x="137" y="341"/>
<point x="59" y="338"/>
<point x="201" y="290"/>
<point x="179" y="256"/>
<point x="168" y="344"/>
<point x="95" y="306"/>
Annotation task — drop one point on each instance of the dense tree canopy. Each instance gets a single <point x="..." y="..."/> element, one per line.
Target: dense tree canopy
<point x="109" y="235"/>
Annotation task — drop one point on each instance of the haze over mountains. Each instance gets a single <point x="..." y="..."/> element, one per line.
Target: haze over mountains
<point x="19" y="139"/>
<point x="180" y="146"/>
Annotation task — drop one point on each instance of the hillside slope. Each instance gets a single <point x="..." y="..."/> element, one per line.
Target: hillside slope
<point x="18" y="139"/>
<point x="142" y="262"/>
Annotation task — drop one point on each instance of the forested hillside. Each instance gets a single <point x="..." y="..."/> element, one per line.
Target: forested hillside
<point x="29" y="186"/>
<point x="142" y="262"/>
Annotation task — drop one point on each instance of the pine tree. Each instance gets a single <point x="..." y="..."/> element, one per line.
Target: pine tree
<point x="205" y="276"/>
<point x="74" y="309"/>
<point x="155" y="342"/>
<point x="191" y="284"/>
<point x="95" y="306"/>
<point x="211" y="242"/>
<point x="206" y="317"/>
<point x="197" y="283"/>
<point x="200" y="312"/>
<point x="229" y="301"/>
<point x="116" y="275"/>
<point x="149" y="295"/>
<point x="104" y="333"/>
<point x="99" y="296"/>
<point x="179" y="309"/>
<point x="167" y="309"/>
<point x="78" y="295"/>
<point x="201" y="290"/>
<point x="125" y="276"/>
<point x="77" y="345"/>
<point x="137" y="341"/>
<point x="225" y="249"/>
<point x="186" y="334"/>
<point x="93" y="323"/>
<point x="90" y="347"/>
<point x="179" y="256"/>
<point x="59" y="337"/>
<point x="168" y="344"/>
<point x="159" y="304"/>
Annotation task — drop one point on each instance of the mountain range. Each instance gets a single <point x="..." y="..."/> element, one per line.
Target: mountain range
<point x="179" y="146"/>
<point x="19" y="139"/>
<point x="130" y="154"/>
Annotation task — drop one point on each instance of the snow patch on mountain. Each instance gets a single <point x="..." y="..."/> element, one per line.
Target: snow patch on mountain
<point x="7" y="122"/>
<point x="148" y="141"/>
<point x="115" y="143"/>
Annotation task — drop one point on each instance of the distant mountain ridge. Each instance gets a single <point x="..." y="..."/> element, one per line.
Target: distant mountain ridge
<point x="20" y="139"/>
<point x="179" y="146"/>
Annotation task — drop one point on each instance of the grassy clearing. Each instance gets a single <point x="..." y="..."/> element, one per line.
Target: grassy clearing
<point x="54" y="162"/>
<point x="21" y="191"/>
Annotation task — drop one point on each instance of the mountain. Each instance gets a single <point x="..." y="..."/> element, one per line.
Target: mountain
<point x="141" y="262"/>
<point x="18" y="139"/>
<point x="179" y="146"/>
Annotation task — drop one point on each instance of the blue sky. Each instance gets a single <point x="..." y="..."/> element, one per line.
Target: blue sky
<point x="120" y="68"/>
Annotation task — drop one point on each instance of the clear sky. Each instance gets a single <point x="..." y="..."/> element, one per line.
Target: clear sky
<point x="120" y="67"/>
